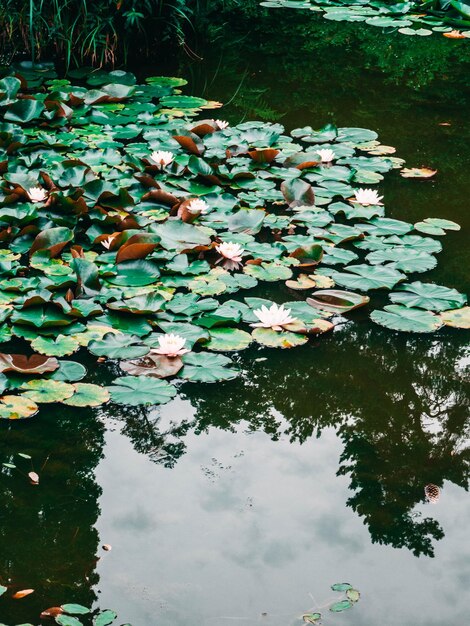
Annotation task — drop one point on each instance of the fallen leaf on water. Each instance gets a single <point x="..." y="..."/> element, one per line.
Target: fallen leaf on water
<point x="53" y="611"/>
<point x="454" y="34"/>
<point x="107" y="547"/>
<point x="417" y="172"/>
<point x="432" y="493"/>
<point x="34" y="478"/>
<point x="21" y="594"/>
<point x="311" y="618"/>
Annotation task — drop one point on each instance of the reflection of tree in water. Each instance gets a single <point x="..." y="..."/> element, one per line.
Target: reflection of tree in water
<point x="47" y="537"/>
<point x="399" y="404"/>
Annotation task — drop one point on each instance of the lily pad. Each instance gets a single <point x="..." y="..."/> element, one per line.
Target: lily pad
<point x="86" y="394"/>
<point x="137" y="390"/>
<point x="406" y="319"/>
<point x="47" y="390"/>
<point x="428" y="296"/>
<point x="153" y="364"/>
<point x="457" y="318"/>
<point x="61" y="345"/>
<point x="118" y="346"/>
<point x="278" y="339"/>
<point x="17" y="407"/>
<point x="337" y="301"/>
<point x="228" y="339"/>
<point x="207" y="368"/>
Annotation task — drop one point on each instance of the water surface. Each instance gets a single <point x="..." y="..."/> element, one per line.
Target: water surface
<point x="242" y="502"/>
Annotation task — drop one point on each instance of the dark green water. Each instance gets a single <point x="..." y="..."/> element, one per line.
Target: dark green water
<point x="242" y="502"/>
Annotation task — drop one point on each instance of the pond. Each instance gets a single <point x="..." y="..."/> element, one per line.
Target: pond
<point x="242" y="502"/>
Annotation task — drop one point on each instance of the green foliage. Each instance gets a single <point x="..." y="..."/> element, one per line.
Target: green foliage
<point x="94" y="31"/>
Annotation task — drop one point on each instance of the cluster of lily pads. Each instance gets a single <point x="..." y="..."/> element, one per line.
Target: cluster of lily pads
<point x="126" y="226"/>
<point x="350" y="597"/>
<point x="451" y="18"/>
<point x="70" y="614"/>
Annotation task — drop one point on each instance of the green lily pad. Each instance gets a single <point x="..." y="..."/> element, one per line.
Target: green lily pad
<point x="342" y="605"/>
<point x="87" y="394"/>
<point x="75" y="609"/>
<point x="428" y="296"/>
<point x="69" y="371"/>
<point x="207" y="368"/>
<point x="47" y="390"/>
<point x="228" y="339"/>
<point x="341" y="586"/>
<point x="118" y="346"/>
<point x="61" y="345"/>
<point x="436" y="226"/>
<point x="406" y="319"/>
<point x="137" y="390"/>
<point x="278" y="339"/>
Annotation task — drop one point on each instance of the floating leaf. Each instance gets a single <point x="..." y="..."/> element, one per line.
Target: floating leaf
<point x="311" y="618"/>
<point x="278" y="339"/>
<point x="118" y="346"/>
<point x="337" y="301"/>
<point x="69" y="371"/>
<point x="75" y="609"/>
<point x="432" y="493"/>
<point x="417" y="172"/>
<point x="207" y="367"/>
<point x="228" y="339"/>
<point x="87" y="394"/>
<point x="407" y="319"/>
<point x="17" y="407"/>
<point x="342" y="605"/>
<point x="341" y="586"/>
<point x="457" y="318"/>
<point x="136" y="390"/>
<point x="61" y="345"/>
<point x="34" y="478"/>
<point x="353" y="595"/>
<point x="68" y="620"/>
<point x="428" y="296"/>
<point x="22" y="594"/>
<point x="105" y="618"/>
<point x="47" y="390"/>
<point x="436" y="226"/>
<point x="22" y="364"/>
<point x="153" y="364"/>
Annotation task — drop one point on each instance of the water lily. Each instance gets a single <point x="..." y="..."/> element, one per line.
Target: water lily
<point x="231" y="254"/>
<point x="171" y="345"/>
<point x="367" y="196"/>
<point x="37" y="194"/>
<point x="326" y="155"/>
<point x="222" y="124"/>
<point x="198" y="206"/>
<point x="106" y="243"/>
<point x="276" y="317"/>
<point x="162" y="158"/>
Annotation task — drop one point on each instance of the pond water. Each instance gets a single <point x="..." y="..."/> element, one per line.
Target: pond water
<point x="242" y="502"/>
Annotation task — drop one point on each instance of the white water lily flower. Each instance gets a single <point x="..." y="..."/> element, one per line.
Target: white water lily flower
<point x="275" y="317"/>
<point x="326" y="155"/>
<point x="231" y="254"/>
<point x="367" y="196"/>
<point x="106" y="243"/>
<point x="37" y="194"/>
<point x="230" y="250"/>
<point x="222" y="124"/>
<point x="162" y="158"/>
<point x="198" y="206"/>
<point x="171" y="345"/>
